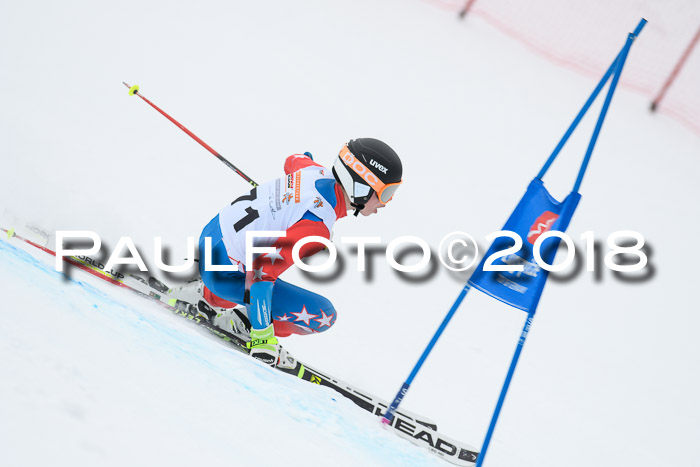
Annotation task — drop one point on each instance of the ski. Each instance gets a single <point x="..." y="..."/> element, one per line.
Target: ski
<point x="412" y="427"/>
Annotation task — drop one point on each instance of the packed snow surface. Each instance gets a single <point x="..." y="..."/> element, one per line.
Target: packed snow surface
<point x="100" y="377"/>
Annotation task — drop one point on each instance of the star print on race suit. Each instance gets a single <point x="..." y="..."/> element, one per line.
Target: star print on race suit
<point x="313" y="321"/>
<point x="259" y="273"/>
<point x="304" y="316"/>
<point x="274" y="256"/>
<point x="326" y="320"/>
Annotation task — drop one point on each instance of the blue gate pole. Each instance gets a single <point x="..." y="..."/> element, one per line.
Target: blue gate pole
<point x="615" y="65"/>
<point x="389" y="415"/>
<point x="504" y="390"/>
<point x="578" y="119"/>
<point x="599" y="124"/>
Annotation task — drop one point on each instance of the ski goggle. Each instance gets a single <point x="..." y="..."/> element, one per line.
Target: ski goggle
<point x="385" y="191"/>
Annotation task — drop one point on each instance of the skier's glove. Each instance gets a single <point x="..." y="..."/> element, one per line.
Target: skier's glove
<point x="263" y="345"/>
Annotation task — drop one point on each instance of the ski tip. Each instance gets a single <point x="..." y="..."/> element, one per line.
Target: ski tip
<point x="10" y="233"/>
<point x="133" y="89"/>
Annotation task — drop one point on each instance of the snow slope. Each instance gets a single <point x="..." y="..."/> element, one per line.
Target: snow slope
<point x="96" y="376"/>
<point x="609" y="373"/>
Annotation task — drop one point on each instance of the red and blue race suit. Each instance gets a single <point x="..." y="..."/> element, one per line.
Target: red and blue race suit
<point x="305" y="202"/>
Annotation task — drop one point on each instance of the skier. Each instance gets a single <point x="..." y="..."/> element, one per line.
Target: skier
<point x="305" y="202"/>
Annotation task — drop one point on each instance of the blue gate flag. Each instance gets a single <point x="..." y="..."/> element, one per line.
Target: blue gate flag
<point x="536" y="213"/>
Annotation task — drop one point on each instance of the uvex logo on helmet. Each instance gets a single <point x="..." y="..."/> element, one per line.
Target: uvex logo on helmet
<point x="541" y="225"/>
<point x="379" y="166"/>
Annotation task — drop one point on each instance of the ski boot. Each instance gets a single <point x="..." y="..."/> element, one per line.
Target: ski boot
<point x="285" y="360"/>
<point x="233" y="320"/>
<point x="190" y="298"/>
<point x="265" y="347"/>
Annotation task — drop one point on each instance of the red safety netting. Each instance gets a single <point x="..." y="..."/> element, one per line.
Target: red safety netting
<point x="587" y="34"/>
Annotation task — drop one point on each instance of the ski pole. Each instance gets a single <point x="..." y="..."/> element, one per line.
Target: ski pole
<point x="134" y="90"/>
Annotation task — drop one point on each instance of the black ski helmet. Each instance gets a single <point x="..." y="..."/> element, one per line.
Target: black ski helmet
<point x="365" y="166"/>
